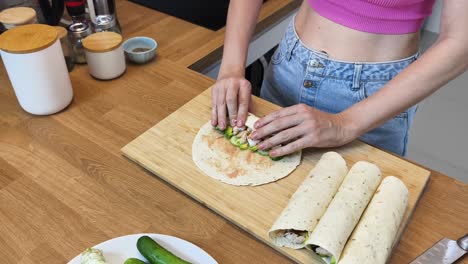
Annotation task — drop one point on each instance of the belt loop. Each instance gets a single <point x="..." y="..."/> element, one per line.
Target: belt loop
<point x="357" y="75"/>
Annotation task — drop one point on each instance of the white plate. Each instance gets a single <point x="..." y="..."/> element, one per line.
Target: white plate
<point x="117" y="250"/>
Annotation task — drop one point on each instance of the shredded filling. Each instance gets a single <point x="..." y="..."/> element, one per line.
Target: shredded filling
<point x="296" y="237"/>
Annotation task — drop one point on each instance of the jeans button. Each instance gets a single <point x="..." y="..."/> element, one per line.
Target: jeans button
<point x="308" y="84"/>
<point x="316" y="64"/>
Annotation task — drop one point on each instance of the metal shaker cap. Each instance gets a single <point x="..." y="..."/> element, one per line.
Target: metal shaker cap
<point x="79" y="29"/>
<point x="104" y="22"/>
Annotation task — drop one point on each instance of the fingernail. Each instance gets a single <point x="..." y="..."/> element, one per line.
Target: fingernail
<point x="256" y="124"/>
<point x="273" y="153"/>
<point x="261" y="146"/>
<point x="253" y="135"/>
<point x="240" y="123"/>
<point x="233" y="122"/>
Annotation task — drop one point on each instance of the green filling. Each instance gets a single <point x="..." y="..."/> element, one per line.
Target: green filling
<point x="276" y="158"/>
<point x="254" y="148"/>
<point x="228" y="132"/>
<point x="244" y="146"/>
<point x="235" y="141"/>
<point x="220" y="130"/>
<point x="263" y="152"/>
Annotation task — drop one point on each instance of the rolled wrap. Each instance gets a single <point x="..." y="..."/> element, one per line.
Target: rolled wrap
<point x="344" y="211"/>
<point x="309" y="202"/>
<point x="374" y="236"/>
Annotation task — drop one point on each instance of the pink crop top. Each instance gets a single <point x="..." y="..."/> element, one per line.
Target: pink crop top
<point x="376" y="16"/>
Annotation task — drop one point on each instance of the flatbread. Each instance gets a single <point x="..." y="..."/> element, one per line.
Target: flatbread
<point x="309" y="202"/>
<point x="219" y="159"/>
<point x="346" y="208"/>
<point x="374" y="236"/>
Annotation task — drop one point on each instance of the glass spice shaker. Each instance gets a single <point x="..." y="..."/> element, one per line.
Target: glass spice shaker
<point x="76" y="33"/>
<point x="66" y="47"/>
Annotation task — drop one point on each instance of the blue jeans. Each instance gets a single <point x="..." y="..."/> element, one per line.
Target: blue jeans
<point x="298" y="74"/>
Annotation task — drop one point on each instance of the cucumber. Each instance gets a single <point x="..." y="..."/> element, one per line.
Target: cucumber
<point x="220" y="130"/>
<point x="235" y="141"/>
<point x="244" y="146"/>
<point x="228" y="132"/>
<point x="263" y="152"/>
<point x="134" y="261"/>
<point x="155" y="253"/>
<point x="275" y="158"/>
<point x="253" y="148"/>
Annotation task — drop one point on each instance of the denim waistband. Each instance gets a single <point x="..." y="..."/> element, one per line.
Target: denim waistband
<point x="320" y="63"/>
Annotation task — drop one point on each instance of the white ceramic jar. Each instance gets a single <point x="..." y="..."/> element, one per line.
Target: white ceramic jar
<point x="34" y="61"/>
<point x="17" y="16"/>
<point x="105" y="55"/>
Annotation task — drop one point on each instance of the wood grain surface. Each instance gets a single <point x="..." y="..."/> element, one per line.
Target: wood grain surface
<point x="102" y="41"/>
<point x="28" y="38"/>
<point x="166" y="150"/>
<point x="65" y="186"/>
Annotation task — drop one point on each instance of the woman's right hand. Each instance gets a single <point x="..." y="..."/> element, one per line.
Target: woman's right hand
<point x="230" y="101"/>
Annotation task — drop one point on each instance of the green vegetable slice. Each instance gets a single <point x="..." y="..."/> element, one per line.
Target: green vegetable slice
<point x="253" y="148"/>
<point x="244" y="146"/>
<point x="218" y="129"/>
<point x="263" y="152"/>
<point x="235" y="141"/>
<point x="228" y="132"/>
<point x="276" y="158"/>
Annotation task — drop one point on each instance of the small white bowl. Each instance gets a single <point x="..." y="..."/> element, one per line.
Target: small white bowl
<point x="140" y="50"/>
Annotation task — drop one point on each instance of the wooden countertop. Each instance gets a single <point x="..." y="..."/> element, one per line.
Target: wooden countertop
<point x="64" y="184"/>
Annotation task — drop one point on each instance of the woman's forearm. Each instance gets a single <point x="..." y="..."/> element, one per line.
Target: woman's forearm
<point x="241" y="21"/>
<point x="440" y="64"/>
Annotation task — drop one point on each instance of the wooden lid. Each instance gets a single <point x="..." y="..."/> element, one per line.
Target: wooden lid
<point x="17" y="15"/>
<point x="28" y="38"/>
<point x="102" y="41"/>
<point x="61" y="32"/>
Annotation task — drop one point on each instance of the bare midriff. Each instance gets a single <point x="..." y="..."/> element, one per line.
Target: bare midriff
<point x="346" y="44"/>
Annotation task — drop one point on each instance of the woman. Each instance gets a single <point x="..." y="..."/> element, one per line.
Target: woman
<point x="344" y="70"/>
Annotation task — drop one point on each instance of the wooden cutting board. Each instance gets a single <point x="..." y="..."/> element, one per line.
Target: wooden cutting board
<point x="166" y="150"/>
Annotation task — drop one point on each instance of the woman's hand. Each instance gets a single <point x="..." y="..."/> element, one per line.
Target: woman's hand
<point x="231" y="98"/>
<point x="301" y="126"/>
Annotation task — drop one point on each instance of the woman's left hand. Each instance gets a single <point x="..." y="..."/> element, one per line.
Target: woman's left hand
<point x="301" y="126"/>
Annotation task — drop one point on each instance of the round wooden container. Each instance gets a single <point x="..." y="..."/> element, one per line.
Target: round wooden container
<point x="105" y="55"/>
<point x="17" y="16"/>
<point x="36" y="67"/>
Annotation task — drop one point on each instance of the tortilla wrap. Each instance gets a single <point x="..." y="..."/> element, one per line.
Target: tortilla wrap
<point x="374" y="236"/>
<point x="219" y="159"/>
<point x="343" y="213"/>
<point x="309" y="202"/>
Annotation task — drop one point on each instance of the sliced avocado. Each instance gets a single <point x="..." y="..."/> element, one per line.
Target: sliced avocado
<point x="228" y="132"/>
<point x="263" y="152"/>
<point x="253" y="148"/>
<point x="244" y="146"/>
<point x="333" y="260"/>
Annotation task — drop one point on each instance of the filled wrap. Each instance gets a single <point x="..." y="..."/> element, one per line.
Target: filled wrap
<point x="218" y="158"/>
<point x="309" y="202"/>
<point x="374" y="236"/>
<point x="335" y="226"/>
